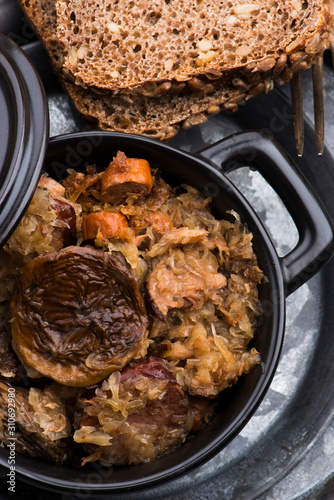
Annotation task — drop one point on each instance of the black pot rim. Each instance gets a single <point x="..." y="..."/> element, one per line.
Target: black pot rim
<point x="34" y="472"/>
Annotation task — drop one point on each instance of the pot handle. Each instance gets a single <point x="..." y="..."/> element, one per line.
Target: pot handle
<point x="258" y="151"/>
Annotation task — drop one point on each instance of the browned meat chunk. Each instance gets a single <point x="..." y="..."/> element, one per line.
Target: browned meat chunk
<point x="49" y="224"/>
<point x="55" y="189"/>
<point x="67" y="233"/>
<point x="9" y="364"/>
<point x="156" y="223"/>
<point x="134" y="416"/>
<point x="79" y="186"/>
<point x="40" y="425"/>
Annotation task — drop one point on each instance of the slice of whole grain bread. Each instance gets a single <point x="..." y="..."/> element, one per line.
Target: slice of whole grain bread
<point x="156" y="118"/>
<point x="139" y="115"/>
<point x="161" y="117"/>
<point x="137" y="46"/>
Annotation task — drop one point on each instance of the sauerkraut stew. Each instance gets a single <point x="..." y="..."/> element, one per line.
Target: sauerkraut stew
<point x="126" y="308"/>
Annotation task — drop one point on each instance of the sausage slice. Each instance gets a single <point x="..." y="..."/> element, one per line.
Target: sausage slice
<point x="41" y="425"/>
<point x="107" y="224"/>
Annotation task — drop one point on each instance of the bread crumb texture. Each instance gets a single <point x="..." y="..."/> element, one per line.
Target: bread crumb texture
<point x="112" y="44"/>
<point x="154" y="67"/>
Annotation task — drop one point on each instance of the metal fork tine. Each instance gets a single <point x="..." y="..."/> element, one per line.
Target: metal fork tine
<point x="318" y="103"/>
<point x="297" y="108"/>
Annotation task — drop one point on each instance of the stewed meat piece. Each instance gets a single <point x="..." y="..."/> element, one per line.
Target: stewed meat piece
<point x="37" y="420"/>
<point x="135" y="416"/>
<point x="49" y="223"/>
<point x="66" y="231"/>
<point x="9" y="364"/>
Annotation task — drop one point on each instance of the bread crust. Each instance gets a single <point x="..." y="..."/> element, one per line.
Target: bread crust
<point x="165" y="110"/>
<point x="153" y="46"/>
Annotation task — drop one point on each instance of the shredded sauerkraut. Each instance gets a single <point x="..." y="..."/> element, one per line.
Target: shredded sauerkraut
<point x="199" y="276"/>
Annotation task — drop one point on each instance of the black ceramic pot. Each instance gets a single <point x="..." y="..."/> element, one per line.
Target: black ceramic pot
<point x="206" y="172"/>
<point x="24" y="133"/>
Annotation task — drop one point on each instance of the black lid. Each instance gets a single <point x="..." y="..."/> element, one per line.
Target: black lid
<point x="24" y="133"/>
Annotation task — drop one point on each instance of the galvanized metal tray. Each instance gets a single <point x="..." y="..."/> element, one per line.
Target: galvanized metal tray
<point x="285" y="451"/>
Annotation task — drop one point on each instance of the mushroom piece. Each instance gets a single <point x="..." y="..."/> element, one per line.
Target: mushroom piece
<point x="77" y="315"/>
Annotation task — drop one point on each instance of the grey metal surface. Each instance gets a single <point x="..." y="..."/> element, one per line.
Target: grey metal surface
<point x="281" y="454"/>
